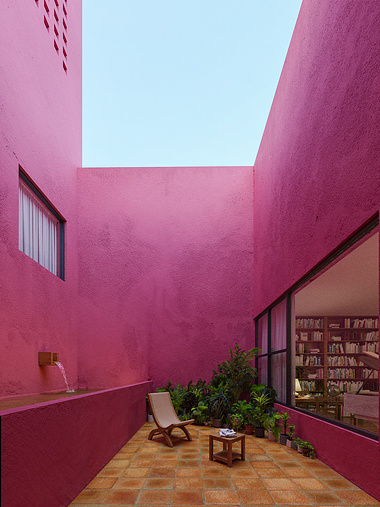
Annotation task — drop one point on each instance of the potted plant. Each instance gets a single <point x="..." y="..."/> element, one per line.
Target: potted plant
<point x="237" y="421"/>
<point x="245" y="410"/>
<point x="290" y="433"/>
<point x="260" y="403"/>
<point x="272" y="426"/>
<point x="219" y="405"/>
<point x="284" y="435"/>
<point x="200" y="413"/>
<point x="307" y="449"/>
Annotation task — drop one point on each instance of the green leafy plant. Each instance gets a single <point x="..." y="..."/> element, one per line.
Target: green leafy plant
<point x="219" y="404"/>
<point x="271" y="423"/>
<point x="200" y="413"/>
<point x="284" y="420"/>
<point x="291" y="431"/>
<point x="237" y="373"/>
<point x="244" y="409"/>
<point x="307" y="448"/>
<point x="237" y="421"/>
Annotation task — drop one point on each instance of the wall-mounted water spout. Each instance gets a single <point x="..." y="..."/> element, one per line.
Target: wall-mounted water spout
<point x="47" y="358"/>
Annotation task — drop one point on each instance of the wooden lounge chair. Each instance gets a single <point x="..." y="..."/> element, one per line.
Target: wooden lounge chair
<point x="165" y="417"/>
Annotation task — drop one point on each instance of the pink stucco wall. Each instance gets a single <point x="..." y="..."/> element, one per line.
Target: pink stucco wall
<point x="51" y="451"/>
<point x="40" y="129"/>
<point x="165" y="272"/>
<point x="317" y="177"/>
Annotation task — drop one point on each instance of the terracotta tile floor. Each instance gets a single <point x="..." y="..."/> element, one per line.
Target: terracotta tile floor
<point x="148" y="473"/>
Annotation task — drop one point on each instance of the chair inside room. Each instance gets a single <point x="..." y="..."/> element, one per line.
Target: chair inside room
<point x="165" y="417"/>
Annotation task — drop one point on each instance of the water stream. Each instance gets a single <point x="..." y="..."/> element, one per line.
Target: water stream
<point x="62" y="369"/>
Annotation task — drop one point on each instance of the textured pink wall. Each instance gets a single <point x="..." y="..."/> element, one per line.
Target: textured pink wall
<point x="317" y="177"/>
<point x="165" y="271"/>
<point x="40" y="129"/>
<point x="51" y="451"/>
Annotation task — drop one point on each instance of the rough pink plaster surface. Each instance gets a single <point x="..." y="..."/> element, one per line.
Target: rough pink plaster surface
<point x="317" y="177"/>
<point x="51" y="451"/>
<point x="165" y="272"/>
<point x="40" y="129"/>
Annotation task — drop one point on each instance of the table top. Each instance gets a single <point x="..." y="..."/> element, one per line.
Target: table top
<point x="238" y="437"/>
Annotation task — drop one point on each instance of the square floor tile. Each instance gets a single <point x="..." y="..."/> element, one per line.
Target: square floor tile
<point x="310" y="484"/>
<point x="136" y="472"/>
<point x="278" y="483"/>
<point x="159" y="483"/>
<point x="357" y="498"/>
<point x="188" y="483"/>
<point x="102" y="483"/>
<point x="119" y="496"/>
<point x="255" y="497"/>
<point x="91" y="496"/>
<point x="217" y="483"/>
<point x="247" y="483"/>
<point x="325" y="498"/>
<point x="221" y="497"/>
<point x="154" y="497"/>
<point x="165" y="473"/>
<point x="290" y="497"/>
<point x="129" y="483"/>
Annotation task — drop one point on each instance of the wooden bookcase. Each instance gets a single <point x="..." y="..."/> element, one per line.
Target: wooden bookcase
<point x="328" y="349"/>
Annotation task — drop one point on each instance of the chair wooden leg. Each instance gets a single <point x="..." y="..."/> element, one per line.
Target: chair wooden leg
<point x="186" y="431"/>
<point x="157" y="431"/>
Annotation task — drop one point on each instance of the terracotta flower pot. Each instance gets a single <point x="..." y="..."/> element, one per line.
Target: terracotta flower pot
<point x="249" y="429"/>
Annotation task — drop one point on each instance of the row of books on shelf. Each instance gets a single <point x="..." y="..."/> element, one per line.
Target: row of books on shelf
<point x="359" y="323"/>
<point x="351" y="386"/>
<point x="301" y="348"/>
<point x="302" y="360"/>
<point x="352" y="348"/>
<point x="309" y="323"/>
<point x="344" y="386"/>
<point x="316" y="336"/>
<point x="343" y="361"/>
<point x="349" y="373"/>
<point x="369" y="336"/>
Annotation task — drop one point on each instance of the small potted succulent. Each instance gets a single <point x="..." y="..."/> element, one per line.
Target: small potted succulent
<point x="272" y="426"/>
<point x="284" y="435"/>
<point x="291" y="429"/>
<point x="307" y="449"/>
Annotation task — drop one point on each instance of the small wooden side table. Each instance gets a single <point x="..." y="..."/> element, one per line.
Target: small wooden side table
<point x="227" y="455"/>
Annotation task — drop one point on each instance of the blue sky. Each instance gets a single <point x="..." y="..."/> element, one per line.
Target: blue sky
<point x="180" y="82"/>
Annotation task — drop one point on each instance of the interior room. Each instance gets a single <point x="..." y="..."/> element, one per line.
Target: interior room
<point x="336" y="345"/>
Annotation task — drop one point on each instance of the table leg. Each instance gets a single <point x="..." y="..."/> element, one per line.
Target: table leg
<point x="243" y="449"/>
<point x="229" y="454"/>
<point x="210" y="448"/>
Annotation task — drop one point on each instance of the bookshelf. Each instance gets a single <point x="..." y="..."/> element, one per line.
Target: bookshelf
<point x="327" y="351"/>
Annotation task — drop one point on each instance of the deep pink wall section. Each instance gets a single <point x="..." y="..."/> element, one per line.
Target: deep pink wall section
<point x="317" y="178"/>
<point x="50" y="452"/>
<point x="40" y="130"/>
<point x="166" y="260"/>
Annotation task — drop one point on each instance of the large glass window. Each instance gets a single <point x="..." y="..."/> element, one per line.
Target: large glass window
<point x="320" y="342"/>
<point x="336" y="338"/>
<point x="40" y="228"/>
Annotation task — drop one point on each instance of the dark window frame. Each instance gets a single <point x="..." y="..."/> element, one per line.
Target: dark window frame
<point x="41" y="197"/>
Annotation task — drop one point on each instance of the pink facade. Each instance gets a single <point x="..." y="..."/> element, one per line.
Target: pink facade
<point x="317" y="177"/>
<point x="165" y="267"/>
<point x="40" y="130"/>
<point x="165" y="270"/>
